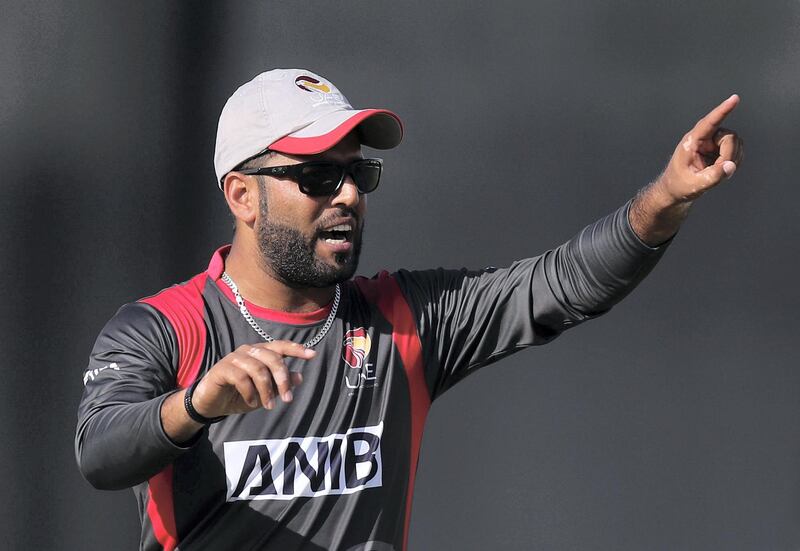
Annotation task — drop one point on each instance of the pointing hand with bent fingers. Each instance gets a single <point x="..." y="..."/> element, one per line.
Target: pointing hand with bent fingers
<point x="705" y="156"/>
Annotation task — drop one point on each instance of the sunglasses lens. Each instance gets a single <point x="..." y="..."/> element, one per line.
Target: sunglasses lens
<point x="320" y="179"/>
<point x="323" y="178"/>
<point x="367" y="175"/>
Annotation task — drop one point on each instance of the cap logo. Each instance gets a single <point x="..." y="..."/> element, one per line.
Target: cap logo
<point x="310" y="84"/>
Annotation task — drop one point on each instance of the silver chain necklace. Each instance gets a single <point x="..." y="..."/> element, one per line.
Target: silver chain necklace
<point x="257" y="328"/>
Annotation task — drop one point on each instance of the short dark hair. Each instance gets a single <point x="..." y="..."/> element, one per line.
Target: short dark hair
<point x="257" y="161"/>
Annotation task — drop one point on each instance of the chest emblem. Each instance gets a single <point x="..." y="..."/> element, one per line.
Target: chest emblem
<point x="355" y="352"/>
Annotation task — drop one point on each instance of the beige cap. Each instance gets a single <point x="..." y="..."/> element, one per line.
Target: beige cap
<point x="298" y="112"/>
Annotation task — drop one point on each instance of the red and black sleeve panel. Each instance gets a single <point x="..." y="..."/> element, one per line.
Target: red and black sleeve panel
<point x="137" y="360"/>
<point x="119" y="440"/>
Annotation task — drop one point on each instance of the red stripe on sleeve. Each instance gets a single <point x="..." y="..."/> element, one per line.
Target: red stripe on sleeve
<point x="182" y="305"/>
<point x="386" y="294"/>
<point x="160" y="509"/>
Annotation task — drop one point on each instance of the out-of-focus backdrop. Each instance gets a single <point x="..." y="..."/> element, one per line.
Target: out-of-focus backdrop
<point x="670" y="423"/>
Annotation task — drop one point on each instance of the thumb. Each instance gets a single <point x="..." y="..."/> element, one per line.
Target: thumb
<point x="717" y="172"/>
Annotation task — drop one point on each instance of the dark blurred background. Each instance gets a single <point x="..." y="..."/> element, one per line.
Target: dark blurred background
<point x="671" y="423"/>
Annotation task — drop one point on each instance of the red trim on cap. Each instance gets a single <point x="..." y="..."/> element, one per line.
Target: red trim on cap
<point x="217" y="266"/>
<point x="318" y="144"/>
<point x="385" y="292"/>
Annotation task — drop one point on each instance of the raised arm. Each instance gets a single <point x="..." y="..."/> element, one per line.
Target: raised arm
<point x="467" y="319"/>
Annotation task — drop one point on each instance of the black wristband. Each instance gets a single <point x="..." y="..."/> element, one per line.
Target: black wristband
<point x="187" y="403"/>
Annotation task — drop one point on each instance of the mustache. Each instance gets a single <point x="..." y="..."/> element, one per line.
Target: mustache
<point x="338" y="214"/>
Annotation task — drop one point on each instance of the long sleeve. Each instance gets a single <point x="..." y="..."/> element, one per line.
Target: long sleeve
<point x="119" y="440"/>
<point x="468" y="319"/>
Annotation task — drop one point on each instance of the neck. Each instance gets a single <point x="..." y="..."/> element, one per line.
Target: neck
<point x="259" y="286"/>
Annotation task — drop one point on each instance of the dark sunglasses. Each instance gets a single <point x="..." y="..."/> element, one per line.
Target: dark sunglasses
<point x="318" y="178"/>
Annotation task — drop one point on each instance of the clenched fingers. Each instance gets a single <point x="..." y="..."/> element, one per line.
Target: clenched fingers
<point x="272" y="354"/>
<point x="266" y="366"/>
<point x="244" y="383"/>
<point x="258" y="375"/>
<point x="275" y="376"/>
<point x="252" y="376"/>
<point x="729" y="144"/>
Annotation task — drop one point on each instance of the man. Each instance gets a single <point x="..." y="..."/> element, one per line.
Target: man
<point x="274" y="402"/>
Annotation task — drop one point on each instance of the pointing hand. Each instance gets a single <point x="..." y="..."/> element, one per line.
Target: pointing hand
<point x="705" y="156"/>
<point x="250" y="377"/>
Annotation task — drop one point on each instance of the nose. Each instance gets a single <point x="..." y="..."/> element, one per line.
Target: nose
<point x="348" y="195"/>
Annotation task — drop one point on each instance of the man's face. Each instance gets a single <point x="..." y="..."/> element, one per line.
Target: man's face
<point x="293" y="229"/>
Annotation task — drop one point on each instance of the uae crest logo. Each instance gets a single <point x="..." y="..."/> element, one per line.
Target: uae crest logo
<point x="311" y="84"/>
<point x="355" y="352"/>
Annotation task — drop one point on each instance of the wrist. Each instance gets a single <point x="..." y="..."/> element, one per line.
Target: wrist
<point x="655" y="215"/>
<point x="177" y="425"/>
<point x="192" y="412"/>
<point x="661" y="196"/>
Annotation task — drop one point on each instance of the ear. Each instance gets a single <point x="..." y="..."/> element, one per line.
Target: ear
<point x="241" y="193"/>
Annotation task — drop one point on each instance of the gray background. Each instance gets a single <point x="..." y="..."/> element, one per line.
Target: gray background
<point x="670" y="423"/>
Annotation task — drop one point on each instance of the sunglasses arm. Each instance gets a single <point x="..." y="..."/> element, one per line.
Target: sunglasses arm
<point x="269" y="171"/>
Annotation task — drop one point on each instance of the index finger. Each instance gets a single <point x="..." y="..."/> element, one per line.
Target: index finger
<point x="288" y="348"/>
<point x="706" y="126"/>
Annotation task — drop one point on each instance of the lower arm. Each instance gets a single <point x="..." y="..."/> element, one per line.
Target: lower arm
<point x="602" y="264"/>
<point x="121" y="445"/>
<point x="178" y="426"/>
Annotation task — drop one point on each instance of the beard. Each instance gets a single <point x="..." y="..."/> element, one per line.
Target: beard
<point x="291" y="256"/>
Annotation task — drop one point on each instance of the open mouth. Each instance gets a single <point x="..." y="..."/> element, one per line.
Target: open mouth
<point x="337" y="235"/>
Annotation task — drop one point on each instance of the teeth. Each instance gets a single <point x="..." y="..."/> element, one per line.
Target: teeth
<point x="335" y="241"/>
<point x="340" y="227"/>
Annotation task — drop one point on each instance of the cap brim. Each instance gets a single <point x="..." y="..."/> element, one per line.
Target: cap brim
<point x="377" y="128"/>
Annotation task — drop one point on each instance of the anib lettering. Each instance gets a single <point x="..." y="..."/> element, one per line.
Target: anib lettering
<point x="304" y="467"/>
